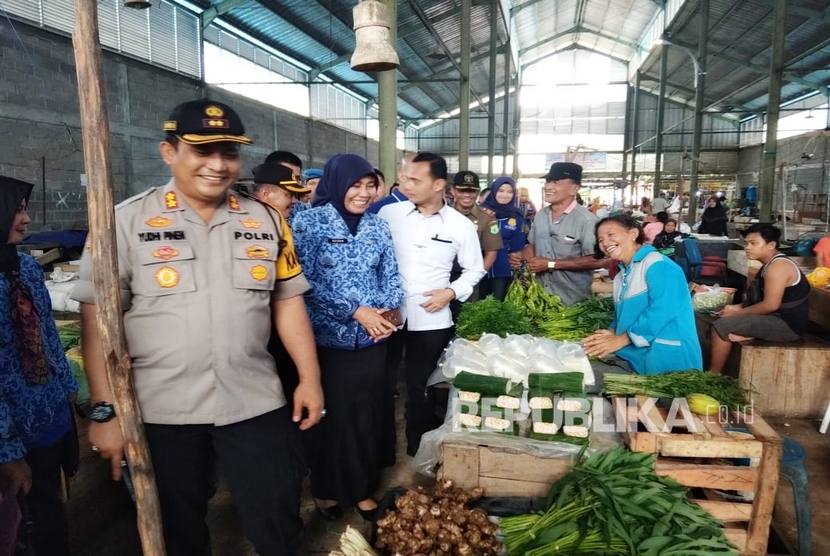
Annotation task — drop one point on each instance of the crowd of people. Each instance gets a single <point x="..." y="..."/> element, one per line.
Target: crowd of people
<point x="266" y="331"/>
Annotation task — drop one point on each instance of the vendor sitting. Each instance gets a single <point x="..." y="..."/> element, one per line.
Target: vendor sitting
<point x="775" y="306"/>
<point x="654" y="326"/>
<point x="664" y="242"/>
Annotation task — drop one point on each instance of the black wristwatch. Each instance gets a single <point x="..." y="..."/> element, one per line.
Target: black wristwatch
<point x="102" y="412"/>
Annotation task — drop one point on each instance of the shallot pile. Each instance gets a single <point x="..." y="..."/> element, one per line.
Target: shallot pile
<point x="438" y="525"/>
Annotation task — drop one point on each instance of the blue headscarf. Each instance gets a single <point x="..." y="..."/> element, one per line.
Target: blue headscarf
<point x="509" y="210"/>
<point x="341" y="172"/>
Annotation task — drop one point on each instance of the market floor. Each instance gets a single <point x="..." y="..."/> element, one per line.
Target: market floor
<point x="115" y="532"/>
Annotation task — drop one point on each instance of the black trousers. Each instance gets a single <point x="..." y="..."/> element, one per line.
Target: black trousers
<point x="44" y="501"/>
<point x="423" y="349"/>
<point x="497" y="287"/>
<point x="262" y="464"/>
<point x="345" y="461"/>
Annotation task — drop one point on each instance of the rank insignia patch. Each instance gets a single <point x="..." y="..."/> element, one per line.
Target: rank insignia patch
<point x="233" y="203"/>
<point x="159" y="222"/>
<point x="171" y="202"/>
<point x="165" y="253"/>
<point x="257" y="252"/>
<point x="259" y="273"/>
<point x="167" y="277"/>
<point x="251" y="224"/>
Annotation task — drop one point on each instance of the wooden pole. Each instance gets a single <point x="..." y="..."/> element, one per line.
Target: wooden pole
<point x="95" y="128"/>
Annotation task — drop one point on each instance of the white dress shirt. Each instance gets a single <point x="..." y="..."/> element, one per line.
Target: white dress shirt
<point x="426" y="247"/>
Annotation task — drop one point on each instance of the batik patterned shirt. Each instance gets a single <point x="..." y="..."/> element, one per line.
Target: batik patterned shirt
<point x="31" y="415"/>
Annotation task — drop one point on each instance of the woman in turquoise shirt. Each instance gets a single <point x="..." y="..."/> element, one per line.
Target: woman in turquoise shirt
<point x="654" y="325"/>
<point x="348" y="258"/>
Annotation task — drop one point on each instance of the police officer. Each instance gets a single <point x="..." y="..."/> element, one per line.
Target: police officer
<point x="465" y="190"/>
<point x="202" y="273"/>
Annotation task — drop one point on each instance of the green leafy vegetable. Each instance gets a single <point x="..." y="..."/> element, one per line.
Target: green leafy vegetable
<point x="493" y="316"/>
<point x="725" y="389"/>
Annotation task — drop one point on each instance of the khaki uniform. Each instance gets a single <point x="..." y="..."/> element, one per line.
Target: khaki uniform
<point x="197" y="301"/>
<point x="488" y="229"/>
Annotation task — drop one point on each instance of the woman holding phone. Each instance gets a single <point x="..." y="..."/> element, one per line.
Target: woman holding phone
<point x="347" y="256"/>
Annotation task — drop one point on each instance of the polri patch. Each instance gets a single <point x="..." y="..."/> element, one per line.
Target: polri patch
<point x="159" y="222"/>
<point x="257" y="252"/>
<point x="251" y="224"/>
<point x="165" y="253"/>
<point x="259" y="273"/>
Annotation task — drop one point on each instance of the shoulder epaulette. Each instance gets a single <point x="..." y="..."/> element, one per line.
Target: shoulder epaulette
<point x="135" y="198"/>
<point x="485" y="210"/>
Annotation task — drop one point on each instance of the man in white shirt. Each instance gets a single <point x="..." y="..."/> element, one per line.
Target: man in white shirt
<point x="428" y="236"/>
<point x="659" y="204"/>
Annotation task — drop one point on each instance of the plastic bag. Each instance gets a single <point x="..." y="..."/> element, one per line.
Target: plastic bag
<point x="490" y="344"/>
<point x="428" y="456"/>
<point x="546" y="347"/>
<point x="575" y="360"/>
<point x="544" y="364"/>
<point x="507" y="367"/>
<point x="467" y="350"/>
<point x="518" y="344"/>
<point x="712" y="299"/>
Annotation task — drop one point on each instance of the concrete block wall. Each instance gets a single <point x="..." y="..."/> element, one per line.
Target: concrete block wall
<point x="42" y="140"/>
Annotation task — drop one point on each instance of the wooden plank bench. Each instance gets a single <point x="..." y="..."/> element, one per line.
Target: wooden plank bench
<point x="786" y="379"/>
<point x="704" y="459"/>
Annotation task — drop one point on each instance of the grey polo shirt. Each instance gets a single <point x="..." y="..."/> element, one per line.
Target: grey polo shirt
<point x="197" y="301"/>
<point x="570" y="237"/>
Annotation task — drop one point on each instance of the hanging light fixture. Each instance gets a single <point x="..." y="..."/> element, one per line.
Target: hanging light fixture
<point x="374" y="51"/>
<point x="137" y="4"/>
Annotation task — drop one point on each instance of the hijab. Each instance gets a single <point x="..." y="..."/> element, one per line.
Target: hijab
<point x="24" y="317"/>
<point x="507" y="210"/>
<point x="341" y="172"/>
<point x="715" y="212"/>
<point x="12" y="192"/>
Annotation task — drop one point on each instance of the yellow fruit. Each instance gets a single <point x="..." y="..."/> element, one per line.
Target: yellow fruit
<point x="820" y="277"/>
<point x="703" y="404"/>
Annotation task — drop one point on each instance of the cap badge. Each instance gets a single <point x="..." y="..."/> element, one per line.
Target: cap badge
<point x="171" y="202"/>
<point x="167" y="277"/>
<point x="233" y="203"/>
<point x="251" y="224"/>
<point x="216" y="123"/>
<point x="159" y="222"/>
<point x="214" y="111"/>
<point x="170" y="125"/>
<point x="257" y="252"/>
<point x="165" y="253"/>
<point x="468" y="178"/>
<point x="259" y="273"/>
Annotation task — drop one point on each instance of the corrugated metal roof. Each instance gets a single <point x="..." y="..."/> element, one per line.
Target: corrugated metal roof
<point x="318" y="33"/>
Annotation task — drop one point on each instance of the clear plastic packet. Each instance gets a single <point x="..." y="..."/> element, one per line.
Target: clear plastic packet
<point x="574" y="360"/>
<point x="490" y="344"/>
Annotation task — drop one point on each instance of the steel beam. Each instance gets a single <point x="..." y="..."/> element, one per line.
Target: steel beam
<point x="576" y="30"/>
<point x="207" y="16"/>
<point x="661" y="106"/>
<point x="635" y="131"/>
<point x="767" y="181"/>
<point x="491" y="116"/>
<point x="464" y="94"/>
<point x="505" y="99"/>
<point x="816" y="15"/>
<point x="702" y="47"/>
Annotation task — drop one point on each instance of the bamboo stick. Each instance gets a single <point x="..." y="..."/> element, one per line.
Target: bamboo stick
<point x="95" y="128"/>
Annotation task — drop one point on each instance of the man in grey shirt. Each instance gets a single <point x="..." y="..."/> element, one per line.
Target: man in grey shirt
<point x="560" y="247"/>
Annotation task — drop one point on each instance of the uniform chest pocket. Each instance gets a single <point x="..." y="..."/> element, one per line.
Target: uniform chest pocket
<point x="254" y="266"/>
<point x="165" y="269"/>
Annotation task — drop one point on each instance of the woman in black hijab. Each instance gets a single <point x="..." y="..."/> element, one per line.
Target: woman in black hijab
<point x="714" y="218"/>
<point x="35" y="381"/>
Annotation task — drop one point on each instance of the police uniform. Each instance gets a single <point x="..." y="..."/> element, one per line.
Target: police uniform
<point x="197" y="300"/>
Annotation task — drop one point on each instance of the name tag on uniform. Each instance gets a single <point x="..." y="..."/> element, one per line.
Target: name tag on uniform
<point x="166" y="235"/>
<point x="337" y="240"/>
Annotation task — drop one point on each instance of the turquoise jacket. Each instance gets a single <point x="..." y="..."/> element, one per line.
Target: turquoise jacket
<point x="653" y="306"/>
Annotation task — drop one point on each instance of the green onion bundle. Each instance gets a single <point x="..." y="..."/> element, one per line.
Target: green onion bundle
<point x="725" y="389"/>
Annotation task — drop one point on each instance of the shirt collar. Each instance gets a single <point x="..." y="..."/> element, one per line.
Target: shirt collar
<point x="441" y="212"/>
<point x="571" y="207"/>
<point x="399" y="196"/>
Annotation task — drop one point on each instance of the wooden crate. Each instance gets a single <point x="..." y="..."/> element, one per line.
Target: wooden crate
<point x="704" y="459"/>
<point x="500" y="472"/>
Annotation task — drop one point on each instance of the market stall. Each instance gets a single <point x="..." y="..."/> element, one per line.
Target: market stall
<point x="650" y="464"/>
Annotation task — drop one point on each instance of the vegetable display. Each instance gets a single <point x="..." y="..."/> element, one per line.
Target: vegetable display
<point x="527" y="294"/>
<point x="352" y="543"/>
<point x="439" y="524"/>
<point x="493" y="316"/>
<point x="70" y="335"/>
<point x="615" y="504"/>
<point x="722" y="388"/>
<point x="579" y="320"/>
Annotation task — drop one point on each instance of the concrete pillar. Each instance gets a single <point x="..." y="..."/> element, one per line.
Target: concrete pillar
<point x="464" y="93"/>
<point x="702" y="47"/>
<point x="767" y="182"/>
<point x="388" y="101"/>
<point x="491" y="120"/>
